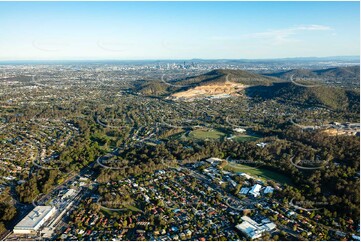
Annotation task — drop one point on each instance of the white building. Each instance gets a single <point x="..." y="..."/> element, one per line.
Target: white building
<point x="68" y="194"/>
<point x="83" y="179"/>
<point x="262" y="144"/>
<point x="146" y="198"/>
<point x="252" y="229"/>
<point x="290" y="213"/>
<point x="245" y="175"/>
<point x="268" y="189"/>
<point x="255" y="190"/>
<point x="356" y="237"/>
<point x="233" y="183"/>
<point x="34" y="220"/>
<point x="239" y="130"/>
<point x="244" y="190"/>
<point x="160" y="172"/>
<point x="213" y="160"/>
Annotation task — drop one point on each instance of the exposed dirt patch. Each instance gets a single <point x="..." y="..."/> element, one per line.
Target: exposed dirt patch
<point x="334" y="132"/>
<point x="226" y="88"/>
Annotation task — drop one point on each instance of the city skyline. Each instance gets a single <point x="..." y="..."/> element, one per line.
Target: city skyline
<point x="174" y="30"/>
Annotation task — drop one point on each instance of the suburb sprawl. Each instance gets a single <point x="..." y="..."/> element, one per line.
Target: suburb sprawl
<point x="180" y="151"/>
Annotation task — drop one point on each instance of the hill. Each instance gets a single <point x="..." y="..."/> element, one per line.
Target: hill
<point x="330" y="97"/>
<point x="150" y="87"/>
<point x="216" y="82"/>
<point x="226" y="83"/>
<point x="220" y="83"/>
<point x="352" y="72"/>
<point x="349" y="74"/>
<point x="238" y="76"/>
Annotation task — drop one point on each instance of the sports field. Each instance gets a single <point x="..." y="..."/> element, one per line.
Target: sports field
<point x="258" y="172"/>
<point x="244" y="138"/>
<point x="203" y="134"/>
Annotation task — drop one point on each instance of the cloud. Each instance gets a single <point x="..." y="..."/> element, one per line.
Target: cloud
<point x="278" y="36"/>
<point x="287" y="35"/>
<point x="314" y="27"/>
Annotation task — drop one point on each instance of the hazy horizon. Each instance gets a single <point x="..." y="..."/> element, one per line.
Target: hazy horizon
<point x="348" y="58"/>
<point x="177" y="30"/>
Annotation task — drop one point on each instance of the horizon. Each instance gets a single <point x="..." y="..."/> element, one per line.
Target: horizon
<point x="348" y="58"/>
<point x="58" y="31"/>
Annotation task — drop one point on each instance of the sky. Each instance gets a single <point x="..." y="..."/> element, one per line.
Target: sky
<point x="177" y="30"/>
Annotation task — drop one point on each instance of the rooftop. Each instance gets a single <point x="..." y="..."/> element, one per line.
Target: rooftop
<point x="253" y="229"/>
<point x="34" y="217"/>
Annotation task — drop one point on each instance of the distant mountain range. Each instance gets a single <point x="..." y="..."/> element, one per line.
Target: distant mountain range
<point x="277" y="86"/>
<point x="355" y="59"/>
<point x="338" y="74"/>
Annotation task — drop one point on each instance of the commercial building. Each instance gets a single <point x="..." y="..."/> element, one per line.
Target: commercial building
<point x="268" y="189"/>
<point x="69" y="193"/>
<point x="244" y="190"/>
<point x="34" y="220"/>
<point x="255" y="190"/>
<point x="254" y="230"/>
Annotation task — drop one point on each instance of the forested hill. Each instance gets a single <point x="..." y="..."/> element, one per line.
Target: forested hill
<point x="254" y="85"/>
<point x="349" y="74"/>
<point x="215" y="77"/>
<point x="330" y="97"/>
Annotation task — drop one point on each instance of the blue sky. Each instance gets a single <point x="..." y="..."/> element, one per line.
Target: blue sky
<point x="177" y="30"/>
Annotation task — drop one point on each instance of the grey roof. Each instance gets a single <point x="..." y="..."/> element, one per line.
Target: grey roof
<point x="34" y="217"/>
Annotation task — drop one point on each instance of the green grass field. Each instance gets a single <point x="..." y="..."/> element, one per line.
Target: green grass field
<point x="203" y="134"/>
<point x="263" y="174"/>
<point x="132" y="208"/>
<point x="244" y="138"/>
<point x="108" y="212"/>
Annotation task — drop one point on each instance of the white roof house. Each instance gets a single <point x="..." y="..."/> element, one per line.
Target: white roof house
<point x="213" y="160"/>
<point x="255" y="190"/>
<point x="234" y="184"/>
<point x="290" y="213"/>
<point x="34" y="220"/>
<point x="146" y="198"/>
<point x="262" y="144"/>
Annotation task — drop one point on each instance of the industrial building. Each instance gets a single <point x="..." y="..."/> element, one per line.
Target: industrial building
<point x="34" y="220"/>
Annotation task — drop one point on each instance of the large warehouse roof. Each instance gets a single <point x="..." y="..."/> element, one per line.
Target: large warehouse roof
<point x="34" y="217"/>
